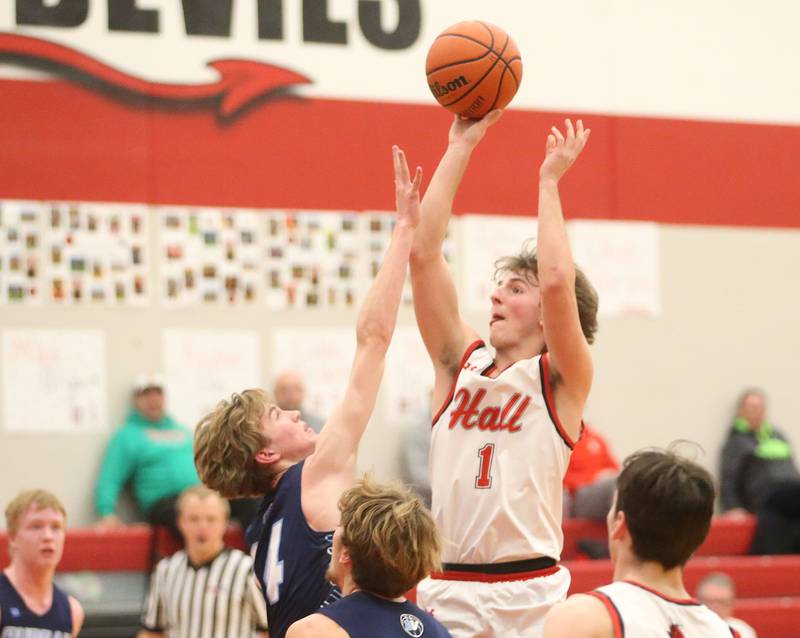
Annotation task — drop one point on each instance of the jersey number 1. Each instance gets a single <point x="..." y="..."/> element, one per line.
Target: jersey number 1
<point x="484" y="479"/>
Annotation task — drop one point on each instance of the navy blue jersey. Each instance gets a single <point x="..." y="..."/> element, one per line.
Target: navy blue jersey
<point x="16" y="619"/>
<point x="363" y="615"/>
<point x="291" y="558"/>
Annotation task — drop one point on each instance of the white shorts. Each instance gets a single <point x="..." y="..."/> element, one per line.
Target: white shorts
<point x="506" y="609"/>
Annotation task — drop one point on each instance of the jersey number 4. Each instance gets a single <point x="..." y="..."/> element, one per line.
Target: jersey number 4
<point x="484" y="479"/>
<point x="274" y="566"/>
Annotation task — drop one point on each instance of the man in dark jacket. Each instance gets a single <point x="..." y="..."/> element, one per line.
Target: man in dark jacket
<point x="759" y="476"/>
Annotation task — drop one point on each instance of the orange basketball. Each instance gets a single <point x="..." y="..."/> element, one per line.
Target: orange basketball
<point x="473" y="67"/>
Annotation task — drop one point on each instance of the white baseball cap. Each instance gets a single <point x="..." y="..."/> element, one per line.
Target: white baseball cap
<point x="148" y="381"/>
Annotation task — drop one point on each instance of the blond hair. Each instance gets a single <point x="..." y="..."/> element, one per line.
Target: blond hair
<point x="202" y="493"/>
<point x="390" y="536"/>
<point x="39" y="499"/>
<point x="226" y="442"/>
<point x="525" y="262"/>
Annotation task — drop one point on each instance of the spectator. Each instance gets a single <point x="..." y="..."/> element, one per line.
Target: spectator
<point x="152" y="451"/>
<point x="155" y="454"/>
<point x="290" y="393"/>
<point x="231" y="605"/>
<point x="591" y="477"/>
<point x="759" y="476"/>
<point x="385" y="544"/>
<point x="30" y="604"/>
<point x="717" y="592"/>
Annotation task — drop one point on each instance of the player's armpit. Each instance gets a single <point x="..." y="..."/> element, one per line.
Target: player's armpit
<point x="579" y="616"/>
<point x="316" y="626"/>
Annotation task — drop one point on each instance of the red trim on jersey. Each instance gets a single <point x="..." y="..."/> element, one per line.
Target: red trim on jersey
<point x="493" y="578"/>
<point x="734" y="633"/>
<point x="470" y="349"/>
<point x="676" y="601"/>
<point x="616" y="618"/>
<point x="551" y="404"/>
<point x="489" y="370"/>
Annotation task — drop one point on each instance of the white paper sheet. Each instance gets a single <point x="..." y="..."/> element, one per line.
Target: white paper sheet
<point x="54" y="381"/>
<point x="408" y="378"/>
<point x="322" y="356"/>
<point x="483" y="239"/>
<point x="621" y="260"/>
<point x="203" y="367"/>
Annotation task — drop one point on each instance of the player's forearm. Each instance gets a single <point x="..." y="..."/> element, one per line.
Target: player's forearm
<point x="378" y="315"/>
<point x="437" y="204"/>
<point x="552" y="246"/>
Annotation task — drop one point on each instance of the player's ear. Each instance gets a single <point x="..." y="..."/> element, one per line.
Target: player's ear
<point x="345" y="558"/>
<point x="267" y="456"/>
<point x="619" y="526"/>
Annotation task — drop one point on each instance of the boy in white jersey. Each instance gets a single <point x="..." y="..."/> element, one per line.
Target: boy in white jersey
<point x="502" y="438"/>
<point x="661" y="514"/>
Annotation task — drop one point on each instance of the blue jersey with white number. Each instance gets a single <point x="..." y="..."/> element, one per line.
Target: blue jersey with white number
<point x="363" y="615"/>
<point x="291" y="558"/>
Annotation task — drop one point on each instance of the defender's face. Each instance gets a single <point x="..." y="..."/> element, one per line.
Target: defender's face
<point x="202" y="522"/>
<point x="516" y="310"/>
<point x="39" y="539"/>
<point x="335" y="573"/>
<point x="289" y="436"/>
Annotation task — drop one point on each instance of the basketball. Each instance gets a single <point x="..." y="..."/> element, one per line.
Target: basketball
<point x="473" y="67"/>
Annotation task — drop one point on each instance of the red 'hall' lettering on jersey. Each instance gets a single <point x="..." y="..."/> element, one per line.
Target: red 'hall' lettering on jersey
<point x="493" y="417"/>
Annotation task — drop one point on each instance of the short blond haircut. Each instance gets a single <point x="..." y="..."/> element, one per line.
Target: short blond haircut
<point x="226" y="442"/>
<point x="525" y="262"/>
<point x="390" y="536"/>
<point x="202" y="493"/>
<point x="39" y="499"/>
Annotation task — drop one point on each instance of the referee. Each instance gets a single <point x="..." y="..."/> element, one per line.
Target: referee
<point x="206" y="590"/>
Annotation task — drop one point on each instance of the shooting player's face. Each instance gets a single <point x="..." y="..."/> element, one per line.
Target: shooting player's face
<point x="39" y="539"/>
<point x="289" y="436"/>
<point x="516" y="309"/>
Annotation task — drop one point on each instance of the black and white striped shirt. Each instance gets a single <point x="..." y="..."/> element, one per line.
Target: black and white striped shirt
<point x="220" y="599"/>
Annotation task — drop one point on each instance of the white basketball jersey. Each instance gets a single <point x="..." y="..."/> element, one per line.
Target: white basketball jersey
<point x="498" y="457"/>
<point x="639" y="611"/>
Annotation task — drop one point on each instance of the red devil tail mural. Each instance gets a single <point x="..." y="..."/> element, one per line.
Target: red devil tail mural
<point x="240" y="83"/>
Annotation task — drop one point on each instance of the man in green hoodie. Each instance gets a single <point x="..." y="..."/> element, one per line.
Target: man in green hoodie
<point x="153" y="452"/>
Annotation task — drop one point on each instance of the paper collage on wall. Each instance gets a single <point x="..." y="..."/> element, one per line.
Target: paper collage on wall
<point x="43" y="389"/>
<point x="312" y="259"/>
<point x="92" y="253"/>
<point x="209" y="256"/>
<point x="73" y="253"/>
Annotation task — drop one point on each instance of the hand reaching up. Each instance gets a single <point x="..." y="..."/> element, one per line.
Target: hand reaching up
<point x="561" y="152"/>
<point x="406" y="190"/>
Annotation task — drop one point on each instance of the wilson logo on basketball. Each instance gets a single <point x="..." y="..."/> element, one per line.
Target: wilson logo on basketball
<point x="440" y="90"/>
<point x="494" y="418"/>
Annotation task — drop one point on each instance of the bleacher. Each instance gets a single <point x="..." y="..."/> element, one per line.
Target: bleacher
<point x="108" y="571"/>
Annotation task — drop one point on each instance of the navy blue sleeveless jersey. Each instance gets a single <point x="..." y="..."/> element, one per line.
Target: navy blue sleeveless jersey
<point x="17" y="621"/>
<point x="363" y="615"/>
<point x="291" y="558"/>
